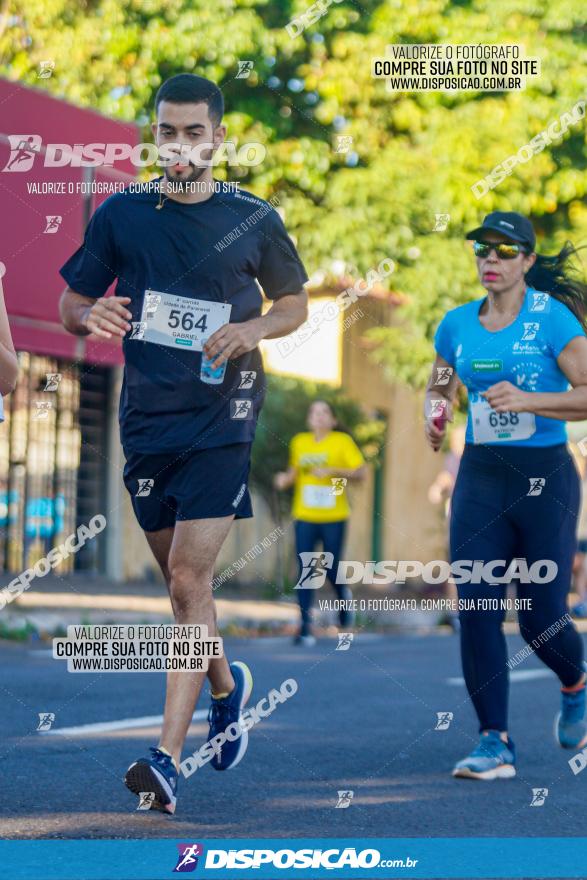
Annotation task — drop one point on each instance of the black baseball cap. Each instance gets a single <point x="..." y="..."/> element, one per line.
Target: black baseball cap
<point x="515" y="226"/>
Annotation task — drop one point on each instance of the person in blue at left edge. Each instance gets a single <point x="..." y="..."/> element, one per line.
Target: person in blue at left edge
<point x="521" y="352"/>
<point x="190" y="261"/>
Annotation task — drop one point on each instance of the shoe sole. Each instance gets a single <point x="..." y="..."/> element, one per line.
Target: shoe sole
<point x="244" y="740"/>
<point x="504" y="771"/>
<point x="581" y="744"/>
<point x="141" y="776"/>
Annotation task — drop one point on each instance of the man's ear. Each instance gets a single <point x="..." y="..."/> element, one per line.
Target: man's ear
<point x="154" y="130"/>
<point x="219" y="135"/>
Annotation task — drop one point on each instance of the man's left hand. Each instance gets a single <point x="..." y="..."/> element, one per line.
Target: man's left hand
<point x="232" y="340"/>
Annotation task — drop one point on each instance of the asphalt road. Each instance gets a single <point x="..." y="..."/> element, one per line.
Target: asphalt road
<point x="362" y="720"/>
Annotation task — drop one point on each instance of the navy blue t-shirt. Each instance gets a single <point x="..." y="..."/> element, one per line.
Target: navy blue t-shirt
<point x="214" y="250"/>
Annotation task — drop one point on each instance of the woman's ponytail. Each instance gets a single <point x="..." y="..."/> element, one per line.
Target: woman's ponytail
<point x="560" y="276"/>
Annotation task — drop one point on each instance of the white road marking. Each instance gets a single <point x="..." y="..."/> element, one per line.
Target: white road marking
<point x="123" y="724"/>
<point x="522" y="675"/>
<point x="324" y="641"/>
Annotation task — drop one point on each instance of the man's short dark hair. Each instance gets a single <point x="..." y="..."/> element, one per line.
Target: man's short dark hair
<point x="187" y="88"/>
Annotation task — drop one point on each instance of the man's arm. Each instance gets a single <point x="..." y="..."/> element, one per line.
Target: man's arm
<point x="232" y="340"/>
<point x="284" y="316"/>
<point x="105" y="317"/>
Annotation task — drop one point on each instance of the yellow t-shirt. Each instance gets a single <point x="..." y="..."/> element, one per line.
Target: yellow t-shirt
<point x="322" y="499"/>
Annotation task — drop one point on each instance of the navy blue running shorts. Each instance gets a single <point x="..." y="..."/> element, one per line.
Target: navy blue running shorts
<point x="199" y="484"/>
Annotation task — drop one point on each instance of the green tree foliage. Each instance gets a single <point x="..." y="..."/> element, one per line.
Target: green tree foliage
<point x="413" y="154"/>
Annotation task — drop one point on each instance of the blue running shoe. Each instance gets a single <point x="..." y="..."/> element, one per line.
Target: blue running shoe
<point x="226" y="712"/>
<point x="492" y="759"/>
<point x="156" y="774"/>
<point x="570" y="727"/>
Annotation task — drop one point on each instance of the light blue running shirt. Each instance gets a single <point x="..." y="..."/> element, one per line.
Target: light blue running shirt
<point x="523" y="353"/>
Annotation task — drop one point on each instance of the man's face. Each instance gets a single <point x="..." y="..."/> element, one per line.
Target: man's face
<point x="189" y="125"/>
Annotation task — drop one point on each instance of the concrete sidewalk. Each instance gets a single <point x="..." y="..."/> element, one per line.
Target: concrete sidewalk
<point x="55" y="602"/>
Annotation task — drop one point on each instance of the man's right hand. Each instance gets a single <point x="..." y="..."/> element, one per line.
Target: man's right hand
<point x="108" y="317"/>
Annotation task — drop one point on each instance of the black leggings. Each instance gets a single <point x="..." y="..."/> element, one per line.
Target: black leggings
<point x="493" y="517"/>
<point x="331" y="537"/>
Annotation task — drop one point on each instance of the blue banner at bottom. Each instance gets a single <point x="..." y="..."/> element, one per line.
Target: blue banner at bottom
<point x="306" y="859"/>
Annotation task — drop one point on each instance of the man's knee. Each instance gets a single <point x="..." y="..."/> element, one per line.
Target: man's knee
<point x="189" y="583"/>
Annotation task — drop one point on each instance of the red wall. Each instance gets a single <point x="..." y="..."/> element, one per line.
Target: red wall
<point x="32" y="283"/>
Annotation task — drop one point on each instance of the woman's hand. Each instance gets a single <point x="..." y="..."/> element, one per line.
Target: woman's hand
<point x="505" y="397"/>
<point x="435" y="426"/>
<point x="435" y="494"/>
<point x="440" y="393"/>
<point x="434" y="435"/>
<point x="281" y="481"/>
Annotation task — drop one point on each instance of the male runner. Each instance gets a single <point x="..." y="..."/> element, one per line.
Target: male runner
<point x="187" y="420"/>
